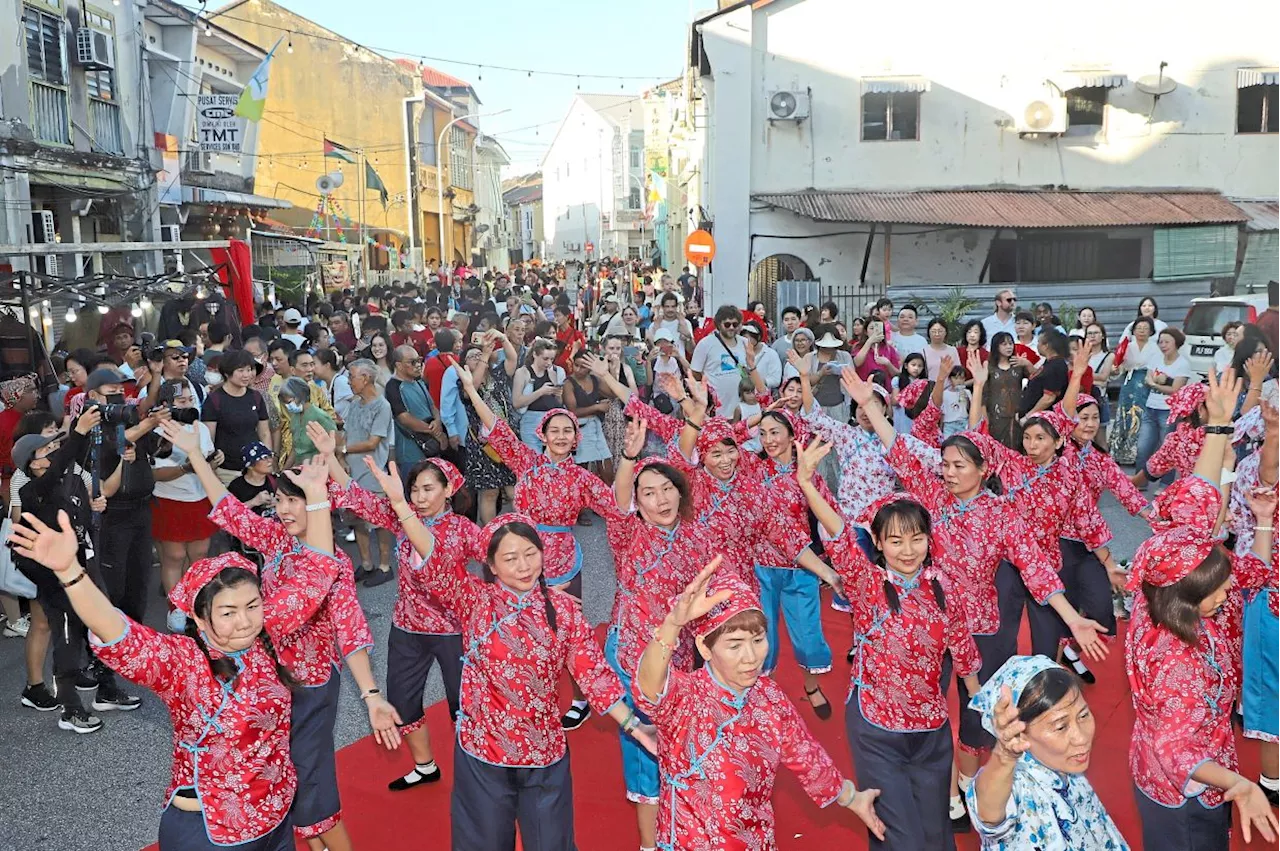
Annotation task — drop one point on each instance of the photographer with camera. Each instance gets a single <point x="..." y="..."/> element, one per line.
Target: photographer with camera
<point x="170" y="361"/>
<point x="124" y="465"/>
<point x="181" y="506"/>
<point x="53" y="486"/>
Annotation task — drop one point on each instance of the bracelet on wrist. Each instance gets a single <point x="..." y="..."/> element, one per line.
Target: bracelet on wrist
<point x="373" y="692"/>
<point x="631" y="458"/>
<point x="1257" y="529"/>
<point x="657" y="636"/>
<point x="1219" y="429"/>
<point x="693" y="425"/>
<point x="319" y="506"/>
<point x="79" y="577"/>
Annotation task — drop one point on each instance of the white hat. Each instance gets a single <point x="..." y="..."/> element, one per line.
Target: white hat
<point x="611" y="299"/>
<point x="292" y="317"/>
<point x="664" y="334"/>
<point x="829" y="341"/>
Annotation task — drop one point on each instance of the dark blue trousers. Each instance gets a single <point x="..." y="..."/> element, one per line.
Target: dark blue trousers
<point x="315" y="710"/>
<point x="1190" y="827"/>
<point x="996" y="650"/>
<point x="184" y="831"/>
<point x="489" y="800"/>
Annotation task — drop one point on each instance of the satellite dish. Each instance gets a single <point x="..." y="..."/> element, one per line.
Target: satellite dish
<point x="1039" y="115"/>
<point x="1156" y="85"/>
<point x="326" y="183"/>
<point x="782" y="104"/>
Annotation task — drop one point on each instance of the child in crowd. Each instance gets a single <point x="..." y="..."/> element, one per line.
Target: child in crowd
<point x="955" y="403"/>
<point x="748" y="409"/>
<point x="256" y="488"/>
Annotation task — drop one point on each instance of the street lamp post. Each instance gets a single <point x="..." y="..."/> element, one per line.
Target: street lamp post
<point x="439" y="173"/>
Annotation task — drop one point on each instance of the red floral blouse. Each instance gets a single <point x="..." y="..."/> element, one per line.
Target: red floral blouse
<point x="1099" y="472"/>
<point x="1178" y="452"/>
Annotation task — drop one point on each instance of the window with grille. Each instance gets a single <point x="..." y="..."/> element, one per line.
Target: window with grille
<point x="1086" y="107"/>
<point x="633" y="252"/>
<point x="46" y="61"/>
<point x="890" y="116"/>
<point x="460" y="158"/>
<point x="1256" y="109"/>
<point x="101" y="84"/>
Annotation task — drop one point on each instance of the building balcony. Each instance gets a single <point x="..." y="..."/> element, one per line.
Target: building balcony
<point x="50" y="122"/>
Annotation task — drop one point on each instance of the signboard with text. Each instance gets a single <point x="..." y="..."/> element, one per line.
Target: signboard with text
<point x="218" y="128"/>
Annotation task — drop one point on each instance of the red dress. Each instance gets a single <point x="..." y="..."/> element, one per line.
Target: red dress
<point x="553" y="494"/>
<point x="233" y="737"/>
<point x="299" y="578"/>
<point x="509" y="713"/>
<point x="971" y="538"/>
<point x="897" y="668"/>
<point x="718" y="754"/>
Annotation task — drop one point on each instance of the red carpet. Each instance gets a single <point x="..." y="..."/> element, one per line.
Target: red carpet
<point x="419" y="819"/>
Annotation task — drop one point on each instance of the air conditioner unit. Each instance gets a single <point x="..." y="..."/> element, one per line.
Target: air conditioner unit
<point x="43" y="230"/>
<point x="788" y="106"/>
<point x="1046" y="116"/>
<point x="95" y="49"/>
<point x="200" y="161"/>
<point x="171" y="233"/>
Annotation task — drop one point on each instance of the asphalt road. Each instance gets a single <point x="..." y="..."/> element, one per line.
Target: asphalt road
<point x="102" y="792"/>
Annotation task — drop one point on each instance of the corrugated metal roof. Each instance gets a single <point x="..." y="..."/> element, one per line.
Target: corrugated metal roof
<point x="1012" y="209"/>
<point x="1263" y="215"/>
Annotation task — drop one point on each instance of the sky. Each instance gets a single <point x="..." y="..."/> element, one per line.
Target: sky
<point x="609" y="37"/>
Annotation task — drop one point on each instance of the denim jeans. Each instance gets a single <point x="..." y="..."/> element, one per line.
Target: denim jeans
<point x="1151" y="435"/>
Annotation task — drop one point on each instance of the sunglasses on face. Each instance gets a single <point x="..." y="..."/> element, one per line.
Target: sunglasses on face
<point x="730" y="324"/>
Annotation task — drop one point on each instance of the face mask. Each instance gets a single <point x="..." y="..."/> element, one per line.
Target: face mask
<point x="212" y="377"/>
<point x="293" y="407"/>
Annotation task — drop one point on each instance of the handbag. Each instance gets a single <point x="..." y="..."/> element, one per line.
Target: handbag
<point x="12" y="580"/>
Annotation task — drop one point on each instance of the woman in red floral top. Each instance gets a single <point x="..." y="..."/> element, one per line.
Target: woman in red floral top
<point x="896" y="713"/>
<point x="1181" y="447"/>
<point x="511" y="759"/>
<point x="226" y="691"/>
<point x="335" y="631"/>
<point x="423" y="632"/>
<point x="1183" y="657"/>
<point x="725" y="728"/>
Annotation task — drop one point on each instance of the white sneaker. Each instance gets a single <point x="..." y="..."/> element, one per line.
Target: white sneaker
<point x="351" y="536"/>
<point x="18" y="628"/>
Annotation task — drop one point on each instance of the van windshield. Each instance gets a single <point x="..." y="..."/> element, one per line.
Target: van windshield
<point x="1207" y="318"/>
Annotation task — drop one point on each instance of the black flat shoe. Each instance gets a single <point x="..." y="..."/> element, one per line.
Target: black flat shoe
<point x="379" y="577"/>
<point x="418" y="778"/>
<point x="362" y="573"/>
<point x="575" y="717"/>
<point x="961" y="824"/>
<point x="824" y="711"/>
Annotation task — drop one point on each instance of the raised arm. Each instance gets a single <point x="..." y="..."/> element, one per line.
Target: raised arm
<point x="624" y="477"/>
<point x="486" y="414"/>
<point x="861" y="392"/>
<point x="806" y="384"/>
<point x="693" y="603"/>
<point x="189" y="443"/>
<point x="807" y="459"/>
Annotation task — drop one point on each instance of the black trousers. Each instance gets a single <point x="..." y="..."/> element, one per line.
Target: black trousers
<point x="1190" y="827"/>
<point x="912" y="772"/>
<point x="125" y="545"/>
<point x="184" y="831"/>
<point x="488" y="801"/>
<point x="69" y="634"/>
<point x="1088" y="590"/>
<point x="313" y="715"/>
<point x="996" y="649"/>
<point x="410" y="656"/>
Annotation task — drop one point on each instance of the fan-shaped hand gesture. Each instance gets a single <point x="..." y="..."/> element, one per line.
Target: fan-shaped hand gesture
<point x="693" y="602"/>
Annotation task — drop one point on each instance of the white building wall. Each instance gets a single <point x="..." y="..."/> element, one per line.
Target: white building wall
<point x="577" y="183"/>
<point x="983" y="69"/>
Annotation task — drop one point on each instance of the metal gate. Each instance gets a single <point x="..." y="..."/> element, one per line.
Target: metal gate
<point x="853" y="301"/>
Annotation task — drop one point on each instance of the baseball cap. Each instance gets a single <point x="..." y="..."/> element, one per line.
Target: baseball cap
<point x="292" y="317"/>
<point x="664" y="334"/>
<point x="101" y="376"/>
<point x="176" y="345"/>
<point x="752" y="329"/>
<point x="25" y="448"/>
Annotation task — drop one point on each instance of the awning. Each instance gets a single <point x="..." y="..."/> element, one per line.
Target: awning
<point x="1096" y="79"/>
<point x="1012" y="209"/>
<point x="1263" y="215"/>
<point x="1246" y="77"/>
<point x="882" y="85"/>
<point x="201" y="195"/>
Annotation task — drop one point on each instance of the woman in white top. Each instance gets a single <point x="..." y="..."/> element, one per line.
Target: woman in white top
<point x="1165" y="376"/>
<point x="180" y="511"/>
<point x="536" y="389"/>
<point x="1148" y="308"/>
<point x="938" y="348"/>
<point x="1231" y="334"/>
<point x="625" y="324"/>
<point x="1138" y="351"/>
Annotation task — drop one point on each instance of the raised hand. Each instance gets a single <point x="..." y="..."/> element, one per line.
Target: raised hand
<point x="669" y="383"/>
<point x="808" y="458"/>
<point x="945" y="366"/>
<point x="321" y="438"/>
<point x="1080" y="360"/>
<point x="1258" y="367"/>
<point x="1262" y="502"/>
<point x="1011" y="740"/>
<point x="187" y="441"/>
<point x="312" y="477"/>
<point x="794" y="358"/>
<point x="465" y="377"/>
<point x="633" y="444"/>
<point x="57" y="549"/>
<point x="976" y="367"/>
<point x="91" y="417"/>
<point x="859" y="391"/>
<point x="693" y="602"/>
<point x="1221" y="399"/>
<point x="599" y="366"/>
<point x="389" y="479"/>
<point x="698" y="392"/>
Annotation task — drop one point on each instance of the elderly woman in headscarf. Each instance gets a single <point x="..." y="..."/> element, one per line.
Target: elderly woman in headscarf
<point x="1183" y="656"/>
<point x="1032" y="793"/>
<point x="297" y="410"/>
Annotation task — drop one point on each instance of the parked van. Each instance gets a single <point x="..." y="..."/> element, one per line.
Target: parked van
<point x="1203" y="325"/>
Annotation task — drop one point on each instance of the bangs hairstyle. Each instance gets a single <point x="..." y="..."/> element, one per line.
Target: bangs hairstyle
<point x="1044" y="424"/>
<point x="969" y="450"/>
<point x="224" y="667"/>
<point x="904" y="517"/>
<point x="425" y="466"/>
<point x="1176" y="607"/>
<point x="678" y="480"/>
<point x="530" y="534"/>
<point x="1044" y="691"/>
<point x="751" y="621"/>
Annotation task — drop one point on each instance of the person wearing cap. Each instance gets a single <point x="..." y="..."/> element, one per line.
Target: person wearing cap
<point x="294" y="545"/>
<point x="986" y="550"/>
<point x="169" y="362"/>
<point x="1183" y="656"/>
<point x="511" y="761"/>
<point x="768" y="365"/>
<point x="667" y="355"/>
<point x="231" y="780"/>
<point x="51" y="490"/>
<point x="424" y="633"/>
<point x="255" y="487"/>
<point x="1044" y="736"/>
<point x="724" y="729"/>
<point x="904" y="628"/>
<point x="293" y="324"/>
